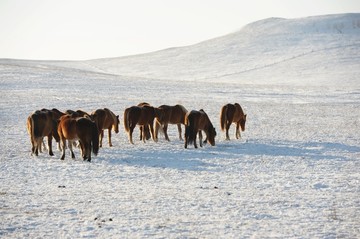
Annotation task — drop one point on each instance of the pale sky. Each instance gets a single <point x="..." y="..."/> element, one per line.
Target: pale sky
<point x="90" y="29"/>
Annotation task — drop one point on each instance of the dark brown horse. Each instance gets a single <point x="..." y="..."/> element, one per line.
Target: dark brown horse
<point x="197" y="121"/>
<point x="40" y="124"/>
<point x="106" y="119"/>
<point x="232" y="113"/>
<point x="82" y="129"/>
<point x="170" y="115"/>
<point x="142" y="116"/>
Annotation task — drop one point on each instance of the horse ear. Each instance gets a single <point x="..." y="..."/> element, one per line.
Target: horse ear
<point x="245" y="116"/>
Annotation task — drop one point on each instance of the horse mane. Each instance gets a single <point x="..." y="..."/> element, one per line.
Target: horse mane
<point x="112" y="115"/>
<point x="183" y="108"/>
<point x="239" y="108"/>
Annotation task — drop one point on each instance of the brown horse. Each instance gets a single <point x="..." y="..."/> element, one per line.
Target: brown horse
<point x="142" y="116"/>
<point x="42" y="123"/>
<point x="106" y="119"/>
<point x="232" y="113"/>
<point x="82" y="129"/>
<point x="170" y="115"/>
<point x="197" y="121"/>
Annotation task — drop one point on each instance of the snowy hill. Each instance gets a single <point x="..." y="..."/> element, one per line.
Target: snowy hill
<point x="319" y="50"/>
<point x="313" y="50"/>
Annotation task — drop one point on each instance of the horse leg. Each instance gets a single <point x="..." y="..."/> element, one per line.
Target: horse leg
<point x="237" y="134"/>
<point x="186" y="136"/>
<point x="38" y="142"/>
<point x="227" y="130"/>
<point x="131" y="130"/>
<point x="63" y="147"/>
<point x="109" y="137"/>
<point x="179" y="130"/>
<point x="165" y="132"/>
<point x="85" y="150"/>
<point x="200" y="138"/>
<point x="195" y="134"/>
<point x="156" y="129"/>
<point x="152" y="131"/>
<point x="71" y="148"/>
<point x="101" y="137"/>
<point x="49" y="138"/>
<point x="41" y="146"/>
<point x="33" y="148"/>
<point x="88" y="149"/>
<point x="141" y="133"/>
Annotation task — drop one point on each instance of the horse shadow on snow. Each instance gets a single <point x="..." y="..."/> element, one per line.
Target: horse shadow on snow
<point x="207" y="158"/>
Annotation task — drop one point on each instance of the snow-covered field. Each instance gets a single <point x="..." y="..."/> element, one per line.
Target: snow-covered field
<point x="294" y="174"/>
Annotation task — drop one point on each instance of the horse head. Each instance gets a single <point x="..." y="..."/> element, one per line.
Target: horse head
<point x="116" y="124"/>
<point x="242" y="123"/>
<point x="211" y="135"/>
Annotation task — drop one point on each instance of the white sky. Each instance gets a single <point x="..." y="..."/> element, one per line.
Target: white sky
<point x="89" y="29"/>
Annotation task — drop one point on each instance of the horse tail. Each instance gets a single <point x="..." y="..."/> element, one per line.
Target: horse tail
<point x="94" y="138"/>
<point x="126" y="120"/>
<point x="157" y="127"/>
<point x="223" y="117"/>
<point x="30" y="128"/>
<point x="189" y="129"/>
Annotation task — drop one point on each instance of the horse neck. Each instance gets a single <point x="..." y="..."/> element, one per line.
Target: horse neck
<point x="113" y="116"/>
<point x="240" y="110"/>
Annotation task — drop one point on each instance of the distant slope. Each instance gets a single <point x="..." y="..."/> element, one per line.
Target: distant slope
<point x="319" y="50"/>
<point x="312" y="50"/>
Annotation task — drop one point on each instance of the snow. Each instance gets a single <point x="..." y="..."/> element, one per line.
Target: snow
<point x="295" y="172"/>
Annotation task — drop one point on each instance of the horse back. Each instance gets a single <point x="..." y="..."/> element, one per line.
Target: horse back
<point x="178" y="113"/>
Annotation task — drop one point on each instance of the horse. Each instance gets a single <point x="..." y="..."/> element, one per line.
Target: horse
<point x="40" y="124"/>
<point x="170" y="115"/>
<point x="232" y="113"/>
<point x="195" y="122"/>
<point x="106" y="119"/>
<point x="82" y="129"/>
<point x="142" y="116"/>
